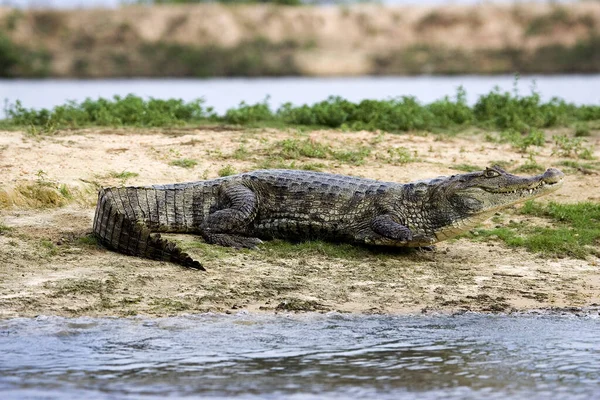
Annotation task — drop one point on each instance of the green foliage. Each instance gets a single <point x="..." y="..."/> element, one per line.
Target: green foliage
<point x="246" y="113"/>
<point x="130" y="110"/>
<point x="520" y="118"/>
<point x="520" y="113"/>
<point x="576" y="230"/>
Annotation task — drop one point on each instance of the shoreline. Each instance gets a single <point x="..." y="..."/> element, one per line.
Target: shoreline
<point x="51" y="264"/>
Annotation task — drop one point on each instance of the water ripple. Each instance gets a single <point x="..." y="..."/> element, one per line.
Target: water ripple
<point x="301" y="357"/>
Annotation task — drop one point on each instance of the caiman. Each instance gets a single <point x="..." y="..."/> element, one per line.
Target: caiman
<point x="240" y="210"/>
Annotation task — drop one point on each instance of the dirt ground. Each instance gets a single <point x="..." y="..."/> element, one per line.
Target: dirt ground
<point x="49" y="265"/>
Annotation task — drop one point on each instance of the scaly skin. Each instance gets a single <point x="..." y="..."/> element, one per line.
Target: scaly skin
<point x="240" y="210"/>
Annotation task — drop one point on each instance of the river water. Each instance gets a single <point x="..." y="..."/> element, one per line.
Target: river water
<point x="309" y="356"/>
<point x="226" y="93"/>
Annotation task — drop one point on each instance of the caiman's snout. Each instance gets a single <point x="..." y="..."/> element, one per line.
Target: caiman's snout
<point x="553" y="176"/>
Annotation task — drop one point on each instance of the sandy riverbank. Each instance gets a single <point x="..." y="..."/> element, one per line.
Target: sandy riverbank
<point x="48" y="266"/>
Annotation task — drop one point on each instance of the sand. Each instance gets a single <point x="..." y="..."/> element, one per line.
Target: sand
<point x="47" y="265"/>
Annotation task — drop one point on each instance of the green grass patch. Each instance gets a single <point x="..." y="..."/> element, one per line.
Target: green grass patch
<point x="123" y="175"/>
<point x="291" y="149"/>
<point x="50" y="247"/>
<point x="295" y="149"/>
<point x="578" y="165"/>
<point x="4" y="228"/>
<point x="279" y="163"/>
<point x="89" y="240"/>
<point x="575" y="231"/>
<point x="284" y="249"/>
<point x="227" y="171"/>
<point x="184" y="163"/>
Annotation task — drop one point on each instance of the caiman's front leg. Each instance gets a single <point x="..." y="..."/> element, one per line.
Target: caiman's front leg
<point x="384" y="230"/>
<point x="227" y="227"/>
<point x="385" y="225"/>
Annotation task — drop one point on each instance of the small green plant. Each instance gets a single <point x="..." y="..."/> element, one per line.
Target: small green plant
<point x="354" y="157"/>
<point x="246" y="113"/>
<point x="65" y="192"/>
<point x="530" y="166"/>
<point x="184" y="163"/>
<point x="565" y="146"/>
<point x="401" y="155"/>
<point x="50" y="247"/>
<point x="123" y="175"/>
<point x="534" y="137"/>
<point x="227" y="171"/>
<point x="88" y="240"/>
<point x="241" y="153"/>
<point x="581" y="129"/>
<point x="292" y="149"/>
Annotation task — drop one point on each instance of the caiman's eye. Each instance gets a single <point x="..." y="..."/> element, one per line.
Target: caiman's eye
<point x="490" y="173"/>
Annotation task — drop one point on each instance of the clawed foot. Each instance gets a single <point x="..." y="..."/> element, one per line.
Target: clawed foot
<point x="236" y="241"/>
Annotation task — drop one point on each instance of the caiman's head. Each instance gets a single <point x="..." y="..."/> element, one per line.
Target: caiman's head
<point x="493" y="189"/>
<point x="461" y="201"/>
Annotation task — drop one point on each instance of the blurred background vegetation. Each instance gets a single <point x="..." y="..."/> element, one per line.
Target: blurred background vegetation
<point x="199" y="38"/>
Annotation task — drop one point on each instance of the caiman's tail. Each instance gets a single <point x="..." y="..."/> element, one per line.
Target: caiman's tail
<point x="124" y="221"/>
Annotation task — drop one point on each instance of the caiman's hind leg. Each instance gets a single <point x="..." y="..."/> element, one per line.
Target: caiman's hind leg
<point x="228" y="226"/>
